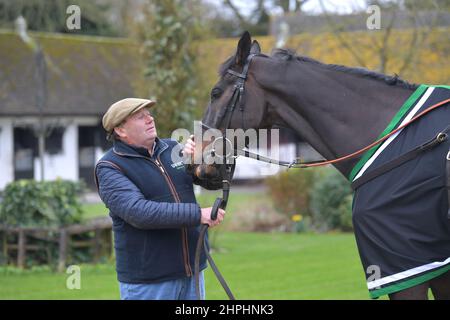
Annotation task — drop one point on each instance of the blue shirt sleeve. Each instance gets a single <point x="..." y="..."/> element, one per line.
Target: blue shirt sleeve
<point x="123" y="198"/>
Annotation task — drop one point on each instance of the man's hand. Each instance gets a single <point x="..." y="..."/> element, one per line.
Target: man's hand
<point x="206" y="217"/>
<point x="189" y="147"/>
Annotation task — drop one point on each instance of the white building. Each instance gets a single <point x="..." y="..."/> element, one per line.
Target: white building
<point x="85" y="75"/>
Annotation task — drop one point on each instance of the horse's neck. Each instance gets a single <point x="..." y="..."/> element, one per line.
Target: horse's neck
<point x="334" y="111"/>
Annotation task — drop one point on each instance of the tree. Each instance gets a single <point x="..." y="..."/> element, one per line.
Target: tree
<point x="257" y="22"/>
<point x="428" y="4"/>
<point x="394" y="13"/>
<point x="167" y="35"/>
<point x="51" y="15"/>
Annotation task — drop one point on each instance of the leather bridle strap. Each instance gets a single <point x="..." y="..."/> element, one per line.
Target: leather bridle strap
<point x="226" y="173"/>
<point x="298" y="163"/>
<point x="388" y="166"/>
<point x="201" y="244"/>
<point x="237" y="97"/>
<point x="357" y="153"/>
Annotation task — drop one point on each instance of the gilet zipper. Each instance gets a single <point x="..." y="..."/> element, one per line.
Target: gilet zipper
<point x="185" y="245"/>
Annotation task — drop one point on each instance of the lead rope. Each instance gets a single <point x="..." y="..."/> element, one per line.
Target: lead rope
<point x="297" y="163"/>
<point x="352" y="155"/>
<point x="220" y="203"/>
<point x="201" y="242"/>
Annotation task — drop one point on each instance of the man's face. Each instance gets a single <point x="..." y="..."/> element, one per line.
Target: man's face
<point x="138" y="129"/>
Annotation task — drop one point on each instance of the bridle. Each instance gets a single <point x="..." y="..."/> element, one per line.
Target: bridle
<point x="226" y="174"/>
<point x="225" y="121"/>
<point x="226" y="168"/>
<point x="237" y="96"/>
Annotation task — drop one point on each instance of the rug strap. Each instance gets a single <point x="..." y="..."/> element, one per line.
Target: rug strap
<point x="388" y="166"/>
<point x="448" y="183"/>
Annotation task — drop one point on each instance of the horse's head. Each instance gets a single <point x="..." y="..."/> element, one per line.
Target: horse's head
<point x="236" y="99"/>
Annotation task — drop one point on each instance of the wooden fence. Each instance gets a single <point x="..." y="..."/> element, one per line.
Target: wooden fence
<point x="100" y="243"/>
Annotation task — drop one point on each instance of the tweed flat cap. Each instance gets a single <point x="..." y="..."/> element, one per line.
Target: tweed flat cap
<point x="120" y="110"/>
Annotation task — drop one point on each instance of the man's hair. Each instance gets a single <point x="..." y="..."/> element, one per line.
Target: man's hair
<point x="112" y="136"/>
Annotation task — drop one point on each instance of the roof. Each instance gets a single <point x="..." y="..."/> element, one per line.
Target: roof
<point x="85" y="74"/>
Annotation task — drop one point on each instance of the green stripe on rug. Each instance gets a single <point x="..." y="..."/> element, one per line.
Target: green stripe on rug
<point x="374" y="294"/>
<point x="443" y="86"/>
<point x="391" y="126"/>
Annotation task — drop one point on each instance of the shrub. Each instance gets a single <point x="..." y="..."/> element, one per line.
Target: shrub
<point x="345" y="213"/>
<point x="331" y="201"/>
<point x="29" y="203"/>
<point x="289" y="191"/>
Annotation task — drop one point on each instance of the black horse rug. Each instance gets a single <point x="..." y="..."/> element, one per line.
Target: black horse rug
<point x="400" y="218"/>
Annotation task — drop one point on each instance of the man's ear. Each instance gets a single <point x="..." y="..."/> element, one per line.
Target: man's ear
<point x="120" y="131"/>
<point x="243" y="48"/>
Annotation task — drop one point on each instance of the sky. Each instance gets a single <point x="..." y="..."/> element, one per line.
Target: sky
<point x="312" y="6"/>
<point x="338" y="6"/>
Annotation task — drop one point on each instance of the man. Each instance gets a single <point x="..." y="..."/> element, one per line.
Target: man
<point x="152" y="204"/>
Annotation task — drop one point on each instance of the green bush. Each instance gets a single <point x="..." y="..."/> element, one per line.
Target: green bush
<point x="30" y="203"/>
<point x="331" y="202"/>
<point x="289" y="191"/>
<point x="345" y="213"/>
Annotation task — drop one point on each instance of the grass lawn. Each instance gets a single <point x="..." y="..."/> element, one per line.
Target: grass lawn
<point x="205" y="199"/>
<point x="94" y="210"/>
<point x="255" y="265"/>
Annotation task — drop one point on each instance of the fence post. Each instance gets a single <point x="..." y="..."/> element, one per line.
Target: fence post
<point x="108" y="241"/>
<point x="62" y="250"/>
<point x="21" y="249"/>
<point x="4" y="247"/>
<point x="97" y="245"/>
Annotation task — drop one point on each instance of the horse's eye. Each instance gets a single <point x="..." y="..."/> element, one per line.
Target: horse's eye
<point x="216" y="93"/>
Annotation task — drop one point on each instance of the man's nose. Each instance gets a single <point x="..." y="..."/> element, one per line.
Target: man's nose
<point x="149" y="118"/>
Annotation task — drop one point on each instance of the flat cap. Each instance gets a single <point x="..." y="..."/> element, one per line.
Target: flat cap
<point x="120" y="110"/>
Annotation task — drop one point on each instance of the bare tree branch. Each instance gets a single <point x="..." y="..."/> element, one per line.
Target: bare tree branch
<point x="299" y="4"/>
<point x="337" y="32"/>
<point x="419" y="36"/>
<point x="235" y="10"/>
<point x="384" y="48"/>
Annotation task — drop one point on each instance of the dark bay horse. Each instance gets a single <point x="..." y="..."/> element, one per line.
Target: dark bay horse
<point x="400" y="218"/>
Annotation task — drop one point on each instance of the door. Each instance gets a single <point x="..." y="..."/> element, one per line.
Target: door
<point x="25" y="150"/>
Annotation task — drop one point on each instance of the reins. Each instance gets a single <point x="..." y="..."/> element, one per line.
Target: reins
<point x="226" y="173"/>
<point x="299" y="164"/>
<point x="354" y="154"/>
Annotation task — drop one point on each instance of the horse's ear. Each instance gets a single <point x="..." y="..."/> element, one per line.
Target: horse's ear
<point x="243" y="48"/>
<point x="256" y="49"/>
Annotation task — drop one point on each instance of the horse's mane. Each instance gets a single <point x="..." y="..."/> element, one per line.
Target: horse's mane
<point x="286" y="54"/>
